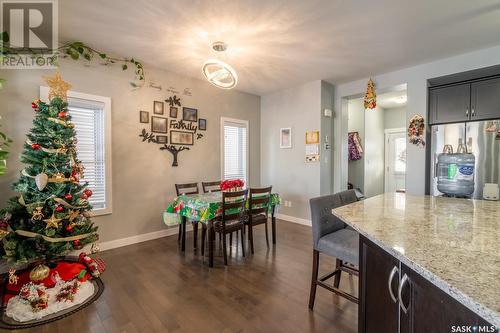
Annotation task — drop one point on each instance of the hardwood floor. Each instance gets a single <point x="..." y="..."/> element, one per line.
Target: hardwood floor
<point x="153" y="287"/>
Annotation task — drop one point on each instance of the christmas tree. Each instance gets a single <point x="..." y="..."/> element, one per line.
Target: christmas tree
<point x="51" y="214"/>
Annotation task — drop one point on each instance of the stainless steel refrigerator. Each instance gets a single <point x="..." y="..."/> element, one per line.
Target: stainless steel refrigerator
<point x="482" y="139"/>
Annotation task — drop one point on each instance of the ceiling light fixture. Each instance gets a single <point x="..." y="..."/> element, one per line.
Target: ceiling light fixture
<point x="217" y="72"/>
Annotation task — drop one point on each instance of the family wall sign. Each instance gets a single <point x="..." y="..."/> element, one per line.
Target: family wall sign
<point x="176" y="130"/>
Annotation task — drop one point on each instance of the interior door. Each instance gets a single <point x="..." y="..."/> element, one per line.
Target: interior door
<point x="395" y="161"/>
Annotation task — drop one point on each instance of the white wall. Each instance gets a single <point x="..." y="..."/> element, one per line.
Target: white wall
<point x="143" y="178"/>
<point x="416" y="80"/>
<point x="286" y="169"/>
<point x="395" y="118"/>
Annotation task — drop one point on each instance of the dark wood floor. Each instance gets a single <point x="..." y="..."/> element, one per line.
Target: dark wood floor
<point x="152" y="287"/>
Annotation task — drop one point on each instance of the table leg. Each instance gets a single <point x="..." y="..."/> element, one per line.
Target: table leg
<point x="195" y="235"/>
<point x="183" y="239"/>
<point x="211" y="238"/>
<point x="273" y="223"/>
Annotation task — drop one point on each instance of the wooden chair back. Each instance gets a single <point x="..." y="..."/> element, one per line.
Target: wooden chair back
<point x="211" y="186"/>
<point x="259" y="200"/>
<point x="233" y="206"/>
<point x="187" y="188"/>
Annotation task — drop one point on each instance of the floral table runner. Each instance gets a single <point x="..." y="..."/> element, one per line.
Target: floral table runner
<point x="201" y="207"/>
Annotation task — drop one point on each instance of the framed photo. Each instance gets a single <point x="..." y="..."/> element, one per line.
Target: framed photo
<point x="181" y="138"/>
<point x="173" y="112"/>
<point x="312" y="137"/>
<point x="144" y="117"/>
<point x="286" y="137"/>
<point x="189" y="114"/>
<point x="202" y="124"/>
<point x="158" y="107"/>
<point x="161" y="139"/>
<point x="159" y="124"/>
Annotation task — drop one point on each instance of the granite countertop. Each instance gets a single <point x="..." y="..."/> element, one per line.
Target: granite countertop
<point x="451" y="242"/>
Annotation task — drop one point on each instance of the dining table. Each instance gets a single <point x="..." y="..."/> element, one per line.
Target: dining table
<point x="205" y="208"/>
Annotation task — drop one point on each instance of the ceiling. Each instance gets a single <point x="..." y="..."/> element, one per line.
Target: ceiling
<point x="389" y="100"/>
<point x="281" y="43"/>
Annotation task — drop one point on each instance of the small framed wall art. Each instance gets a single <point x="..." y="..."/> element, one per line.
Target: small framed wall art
<point x="312" y="137"/>
<point x="181" y="138"/>
<point x="286" y="138"/>
<point x="202" y="124"/>
<point x="159" y="124"/>
<point x="189" y="114"/>
<point x="161" y="139"/>
<point x="144" y="117"/>
<point x="158" y="107"/>
<point x="173" y="112"/>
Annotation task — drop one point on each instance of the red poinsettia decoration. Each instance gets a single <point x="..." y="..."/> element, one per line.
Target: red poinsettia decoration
<point x="231" y="183"/>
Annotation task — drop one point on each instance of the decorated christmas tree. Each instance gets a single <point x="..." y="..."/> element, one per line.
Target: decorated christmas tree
<point x="50" y="216"/>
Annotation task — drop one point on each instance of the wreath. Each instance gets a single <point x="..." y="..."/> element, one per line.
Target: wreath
<point x="416" y="130"/>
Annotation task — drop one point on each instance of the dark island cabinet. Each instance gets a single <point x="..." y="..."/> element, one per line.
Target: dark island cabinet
<point x="470" y="101"/>
<point x="394" y="298"/>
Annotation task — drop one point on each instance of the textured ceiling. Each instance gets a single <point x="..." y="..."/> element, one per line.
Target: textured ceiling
<point x="281" y="43"/>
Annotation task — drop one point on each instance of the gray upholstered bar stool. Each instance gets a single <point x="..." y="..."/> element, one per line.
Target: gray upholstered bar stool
<point x="331" y="237"/>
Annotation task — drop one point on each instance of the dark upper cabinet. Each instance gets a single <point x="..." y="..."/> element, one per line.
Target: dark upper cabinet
<point x="449" y="104"/>
<point x="426" y="308"/>
<point x="485" y="99"/>
<point x="378" y="311"/>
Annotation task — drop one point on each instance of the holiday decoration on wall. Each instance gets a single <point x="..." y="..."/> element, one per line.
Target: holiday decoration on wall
<point x="178" y="134"/>
<point x="416" y="130"/>
<point x="50" y="215"/>
<point x="370" y="96"/>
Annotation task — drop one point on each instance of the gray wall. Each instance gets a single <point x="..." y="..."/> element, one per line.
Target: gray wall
<point x="143" y="179"/>
<point x="356" y="123"/>
<point x="374" y="152"/>
<point x="326" y="174"/>
<point x="395" y="118"/>
<point x="286" y="169"/>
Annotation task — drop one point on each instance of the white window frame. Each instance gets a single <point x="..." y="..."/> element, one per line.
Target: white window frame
<point x="247" y="125"/>
<point x="44" y="95"/>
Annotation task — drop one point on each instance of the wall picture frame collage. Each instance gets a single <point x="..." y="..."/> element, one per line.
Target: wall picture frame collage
<point x="168" y="130"/>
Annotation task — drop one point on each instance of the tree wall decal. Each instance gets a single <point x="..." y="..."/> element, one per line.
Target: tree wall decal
<point x="174" y="150"/>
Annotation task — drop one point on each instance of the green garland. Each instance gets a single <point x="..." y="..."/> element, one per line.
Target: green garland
<point x="78" y="50"/>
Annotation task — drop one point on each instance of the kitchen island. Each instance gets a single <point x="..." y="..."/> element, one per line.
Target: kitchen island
<point x="419" y="250"/>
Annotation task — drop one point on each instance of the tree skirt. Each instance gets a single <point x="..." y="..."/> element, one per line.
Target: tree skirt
<point x="21" y="310"/>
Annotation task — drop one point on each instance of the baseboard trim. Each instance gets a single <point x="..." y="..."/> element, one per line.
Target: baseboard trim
<point x="116" y="243"/>
<point x="293" y="219"/>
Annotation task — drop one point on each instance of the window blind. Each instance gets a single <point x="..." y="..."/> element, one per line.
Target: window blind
<point x="235" y="151"/>
<point x="88" y="117"/>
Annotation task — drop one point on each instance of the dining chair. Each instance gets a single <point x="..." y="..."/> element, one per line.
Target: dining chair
<point x="331" y="237"/>
<point x="231" y="220"/>
<point x="186" y="189"/>
<point x="211" y="186"/>
<point x="258" y="211"/>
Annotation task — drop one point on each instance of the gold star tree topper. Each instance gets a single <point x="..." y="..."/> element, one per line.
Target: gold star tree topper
<point x="58" y="87"/>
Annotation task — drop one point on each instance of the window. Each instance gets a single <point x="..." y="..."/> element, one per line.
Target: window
<point x="91" y="116"/>
<point x="234" y="146"/>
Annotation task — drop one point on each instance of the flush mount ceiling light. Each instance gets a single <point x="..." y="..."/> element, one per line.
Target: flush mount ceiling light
<point x="217" y="72"/>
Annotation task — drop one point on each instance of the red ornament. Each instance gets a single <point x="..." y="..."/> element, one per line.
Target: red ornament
<point x="59" y="208"/>
<point x="84" y="196"/>
<point x="68" y="196"/>
<point x="69" y="227"/>
<point x="76" y="242"/>
<point x="88" y="192"/>
<point x="35" y="146"/>
<point x="62" y="114"/>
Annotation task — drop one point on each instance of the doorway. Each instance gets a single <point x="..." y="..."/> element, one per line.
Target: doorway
<point x="376" y="144"/>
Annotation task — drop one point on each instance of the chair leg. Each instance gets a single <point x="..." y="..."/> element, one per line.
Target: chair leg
<point x="314" y="279"/>
<point x="224" y="249"/>
<point x="336" y="281"/>
<point x="179" y="234"/>
<point x="195" y="235"/>
<point x="242" y="241"/>
<point x="250" y="237"/>
<point x="203" y="235"/>
<point x="267" y="234"/>
<point x="230" y="239"/>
